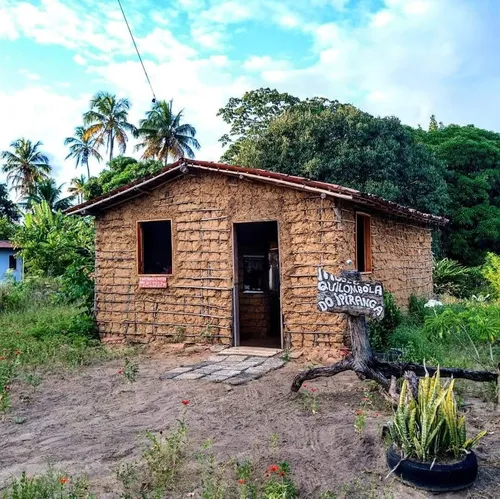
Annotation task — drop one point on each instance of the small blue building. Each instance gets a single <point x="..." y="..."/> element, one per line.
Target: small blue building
<point x="9" y="263"/>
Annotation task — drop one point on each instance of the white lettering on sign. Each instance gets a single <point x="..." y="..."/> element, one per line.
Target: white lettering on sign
<point x="338" y="294"/>
<point x="153" y="282"/>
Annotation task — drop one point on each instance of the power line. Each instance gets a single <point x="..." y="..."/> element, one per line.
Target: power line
<point x="137" y="50"/>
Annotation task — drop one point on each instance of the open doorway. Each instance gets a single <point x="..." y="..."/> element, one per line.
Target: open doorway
<point x="257" y="285"/>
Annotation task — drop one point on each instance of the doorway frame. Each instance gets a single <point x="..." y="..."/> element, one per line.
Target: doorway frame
<point x="235" y="290"/>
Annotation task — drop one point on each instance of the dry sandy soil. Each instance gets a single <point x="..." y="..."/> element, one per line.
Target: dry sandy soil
<point x="89" y="421"/>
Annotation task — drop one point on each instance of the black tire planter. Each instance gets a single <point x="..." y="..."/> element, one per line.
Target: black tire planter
<point x="441" y="478"/>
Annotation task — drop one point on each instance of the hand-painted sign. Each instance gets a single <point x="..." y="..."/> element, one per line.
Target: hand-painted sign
<point x="153" y="282"/>
<point x="339" y="294"/>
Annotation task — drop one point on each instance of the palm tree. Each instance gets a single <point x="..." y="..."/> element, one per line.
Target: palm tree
<point x="47" y="190"/>
<point x="26" y="166"/>
<point x="164" y="136"/>
<point x="77" y="187"/>
<point x="107" y="122"/>
<point x="82" y="147"/>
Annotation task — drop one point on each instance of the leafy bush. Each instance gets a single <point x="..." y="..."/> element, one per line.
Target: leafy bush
<point x="429" y="426"/>
<point x="491" y="271"/>
<point x="381" y="331"/>
<point x="416" y="309"/>
<point x="449" y="277"/>
<point x="480" y="323"/>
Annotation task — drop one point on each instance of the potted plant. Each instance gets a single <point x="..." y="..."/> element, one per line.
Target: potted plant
<point x="429" y="447"/>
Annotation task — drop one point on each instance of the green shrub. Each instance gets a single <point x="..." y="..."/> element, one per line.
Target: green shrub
<point x="51" y="485"/>
<point x="381" y="331"/>
<point x="491" y="272"/>
<point x="449" y="277"/>
<point x="429" y="426"/>
<point x="416" y="309"/>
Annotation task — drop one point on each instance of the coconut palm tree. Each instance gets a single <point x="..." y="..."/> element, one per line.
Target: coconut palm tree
<point x="164" y="135"/>
<point x="77" y="187"/>
<point x="82" y="147"/>
<point x="25" y="166"/>
<point x="47" y="190"/>
<point x="106" y="122"/>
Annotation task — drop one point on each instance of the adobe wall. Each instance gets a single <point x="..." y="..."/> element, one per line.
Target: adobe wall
<point x="401" y="256"/>
<point x="198" y="302"/>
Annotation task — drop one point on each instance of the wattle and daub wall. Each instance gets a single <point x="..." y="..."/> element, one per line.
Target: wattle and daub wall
<point x="197" y="304"/>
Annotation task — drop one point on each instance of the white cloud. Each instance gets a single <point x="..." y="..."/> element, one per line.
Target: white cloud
<point x="228" y="12"/>
<point x="411" y="58"/>
<point x="207" y="38"/>
<point x="39" y="113"/>
<point x="382" y="18"/>
<point x="29" y="75"/>
<point x="263" y="63"/>
<point x="81" y="61"/>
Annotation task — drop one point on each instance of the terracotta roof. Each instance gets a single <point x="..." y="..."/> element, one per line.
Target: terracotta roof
<point x="145" y="184"/>
<point x="6" y="245"/>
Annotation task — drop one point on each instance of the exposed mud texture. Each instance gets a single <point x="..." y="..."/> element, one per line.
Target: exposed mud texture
<point x="87" y="422"/>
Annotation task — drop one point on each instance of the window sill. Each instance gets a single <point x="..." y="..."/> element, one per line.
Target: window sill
<point x="155" y="275"/>
<point x="250" y="292"/>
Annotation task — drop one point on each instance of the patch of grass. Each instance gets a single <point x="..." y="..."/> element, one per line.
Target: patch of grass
<point x="51" y="485"/>
<point x="45" y="338"/>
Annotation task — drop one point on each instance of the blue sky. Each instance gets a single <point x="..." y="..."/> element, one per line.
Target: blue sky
<point x="408" y="58"/>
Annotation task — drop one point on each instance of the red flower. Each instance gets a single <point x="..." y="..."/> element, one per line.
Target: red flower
<point x="282" y="473"/>
<point x="63" y="479"/>
<point x="185" y="402"/>
<point x="314" y="390"/>
<point x="359" y="412"/>
<point x="18" y="352"/>
<point x="120" y="371"/>
<point x="274" y="468"/>
<point x="241" y="481"/>
<point x="7" y="388"/>
<point x="304" y="385"/>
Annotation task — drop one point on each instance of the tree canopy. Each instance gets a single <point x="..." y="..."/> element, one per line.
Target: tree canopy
<point x="82" y="147"/>
<point x="25" y="165"/>
<point x="120" y="171"/>
<point x="472" y="158"/>
<point x="164" y="136"/>
<point x="107" y="122"/>
<point x="332" y="142"/>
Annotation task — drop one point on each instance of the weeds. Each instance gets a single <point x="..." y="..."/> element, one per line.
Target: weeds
<point x="244" y="474"/>
<point x="279" y="484"/>
<point x="51" y="485"/>
<point x="160" y="465"/>
<point x="212" y="473"/>
<point x="130" y="371"/>
<point x="309" y="399"/>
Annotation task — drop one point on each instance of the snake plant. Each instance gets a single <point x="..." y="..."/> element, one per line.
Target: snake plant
<point x="429" y="426"/>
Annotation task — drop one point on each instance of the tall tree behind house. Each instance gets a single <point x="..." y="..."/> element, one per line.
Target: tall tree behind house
<point x="25" y="165"/>
<point x="107" y="122"/>
<point x="164" y="136"/>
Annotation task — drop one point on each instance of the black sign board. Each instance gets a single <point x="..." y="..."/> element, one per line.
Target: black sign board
<point x="340" y="294"/>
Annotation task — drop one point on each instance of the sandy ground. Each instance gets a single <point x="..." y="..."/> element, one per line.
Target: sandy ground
<point x="89" y="421"/>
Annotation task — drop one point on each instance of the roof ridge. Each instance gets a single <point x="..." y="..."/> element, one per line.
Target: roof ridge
<point x="132" y="189"/>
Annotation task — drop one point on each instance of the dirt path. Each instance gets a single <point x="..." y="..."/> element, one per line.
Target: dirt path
<point x="86" y="422"/>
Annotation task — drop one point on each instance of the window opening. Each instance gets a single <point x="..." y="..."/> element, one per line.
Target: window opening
<point x="155" y="247"/>
<point x="363" y="243"/>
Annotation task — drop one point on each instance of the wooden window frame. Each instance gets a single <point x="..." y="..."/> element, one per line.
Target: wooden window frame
<point x="139" y="246"/>
<point x="367" y="241"/>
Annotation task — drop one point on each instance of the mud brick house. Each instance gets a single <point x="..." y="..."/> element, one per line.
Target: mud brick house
<point x="208" y="250"/>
